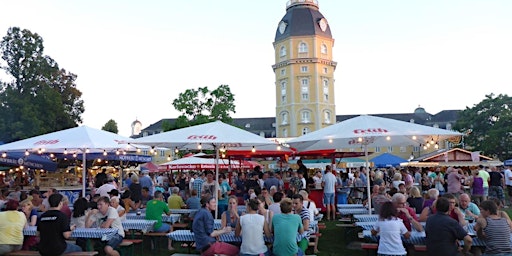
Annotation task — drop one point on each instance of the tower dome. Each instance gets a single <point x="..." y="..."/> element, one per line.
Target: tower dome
<point x="302" y="18"/>
<point x="136" y="127"/>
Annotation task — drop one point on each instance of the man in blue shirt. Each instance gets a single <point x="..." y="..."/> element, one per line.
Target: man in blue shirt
<point x="204" y="235"/>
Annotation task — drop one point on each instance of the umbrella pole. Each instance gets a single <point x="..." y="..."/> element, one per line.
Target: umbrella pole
<point x="84" y="172"/>
<point x="216" y="193"/>
<point x="369" y="199"/>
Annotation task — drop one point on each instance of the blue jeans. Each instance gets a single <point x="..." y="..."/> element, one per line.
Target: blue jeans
<point x="164" y="228"/>
<point x="115" y="241"/>
<point x="72" y="248"/>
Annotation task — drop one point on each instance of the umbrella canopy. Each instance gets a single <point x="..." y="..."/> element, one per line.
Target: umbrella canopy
<point x="372" y="131"/>
<point x="77" y="139"/>
<point x="369" y="131"/>
<point x="212" y="135"/>
<point x="30" y="161"/>
<point x="82" y="139"/>
<point x="387" y="160"/>
<point x="215" y="135"/>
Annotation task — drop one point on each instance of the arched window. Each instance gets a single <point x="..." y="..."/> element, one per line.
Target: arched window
<point x="305" y="131"/>
<point x="285" y="132"/>
<point x="327" y="117"/>
<point x="284" y="118"/>
<point x="305" y="116"/>
<point x="323" y="49"/>
<point x="303" y="47"/>
<point x="282" y="51"/>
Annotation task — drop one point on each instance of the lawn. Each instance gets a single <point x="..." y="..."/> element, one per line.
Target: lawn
<point x="334" y="241"/>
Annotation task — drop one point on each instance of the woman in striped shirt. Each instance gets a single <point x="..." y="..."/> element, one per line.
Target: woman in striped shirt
<point x="494" y="229"/>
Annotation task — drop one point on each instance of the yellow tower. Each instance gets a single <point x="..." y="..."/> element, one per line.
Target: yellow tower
<point x="304" y="70"/>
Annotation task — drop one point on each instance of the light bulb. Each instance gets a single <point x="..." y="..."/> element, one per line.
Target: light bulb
<point x="253" y="149"/>
<point x="104" y="152"/>
<point x="200" y="146"/>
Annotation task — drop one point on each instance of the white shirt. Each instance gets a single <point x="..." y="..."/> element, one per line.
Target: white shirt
<point x="104" y="189"/>
<point x="329" y="183"/>
<point x="390" y="232"/>
<point x="508" y="176"/>
<point x="252" y="234"/>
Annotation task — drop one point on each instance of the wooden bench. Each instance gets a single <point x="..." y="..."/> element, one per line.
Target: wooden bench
<point x="179" y="226"/>
<point x="420" y="248"/>
<point x="369" y="247"/>
<point x="153" y="235"/>
<point x="36" y="253"/>
<point x="130" y="243"/>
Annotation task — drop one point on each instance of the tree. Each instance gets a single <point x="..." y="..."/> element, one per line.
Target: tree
<point x="110" y="126"/>
<point x="202" y="106"/>
<point x="488" y="126"/>
<point x="40" y="97"/>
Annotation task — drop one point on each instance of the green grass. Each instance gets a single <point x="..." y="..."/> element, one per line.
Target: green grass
<point x="334" y="241"/>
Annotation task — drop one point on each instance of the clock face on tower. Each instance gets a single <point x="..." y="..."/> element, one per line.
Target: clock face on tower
<point x="323" y="24"/>
<point x="282" y="27"/>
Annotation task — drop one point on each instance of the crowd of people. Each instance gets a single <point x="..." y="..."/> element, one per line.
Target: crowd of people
<point x="448" y="205"/>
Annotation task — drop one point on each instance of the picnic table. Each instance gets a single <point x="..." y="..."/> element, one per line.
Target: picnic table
<point x="188" y="236"/>
<point x="419" y="238"/>
<point x="172" y="218"/>
<point x="99" y="233"/>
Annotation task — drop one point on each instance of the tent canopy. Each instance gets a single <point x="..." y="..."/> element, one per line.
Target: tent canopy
<point x="387" y="160"/>
<point x="31" y="161"/>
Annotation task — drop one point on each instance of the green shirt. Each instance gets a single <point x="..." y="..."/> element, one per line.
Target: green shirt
<point x="286" y="227"/>
<point x="154" y="210"/>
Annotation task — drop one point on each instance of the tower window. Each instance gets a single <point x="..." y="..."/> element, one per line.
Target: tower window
<point x="325" y="70"/>
<point x="327" y="117"/>
<point x="285" y="132"/>
<point x="390" y="149"/>
<point x="323" y="49"/>
<point x="304" y="69"/>
<point x="282" y="51"/>
<point x="306" y="116"/>
<point x="326" y="89"/>
<point x="305" y="131"/>
<point x="305" y="89"/>
<point x="303" y="48"/>
<point x="283" y="72"/>
<point x="284" y="118"/>
<point x="283" y="92"/>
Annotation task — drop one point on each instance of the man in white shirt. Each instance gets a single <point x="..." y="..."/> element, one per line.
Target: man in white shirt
<point x="104" y="189"/>
<point x="329" y="184"/>
<point x="508" y="182"/>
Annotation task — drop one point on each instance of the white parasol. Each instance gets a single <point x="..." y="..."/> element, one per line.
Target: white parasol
<point x="82" y="139"/>
<point x="364" y="131"/>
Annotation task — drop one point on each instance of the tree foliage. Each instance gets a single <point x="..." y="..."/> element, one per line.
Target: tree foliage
<point x="40" y="97"/>
<point x="488" y="126"/>
<point x="202" y="106"/>
<point x="110" y="126"/>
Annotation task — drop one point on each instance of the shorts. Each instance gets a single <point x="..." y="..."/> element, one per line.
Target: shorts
<point x="497" y="192"/>
<point x="115" y="241"/>
<point x="328" y="198"/>
<point x="486" y="191"/>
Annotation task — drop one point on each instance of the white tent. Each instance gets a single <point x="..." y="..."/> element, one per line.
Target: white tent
<point x="215" y="135"/>
<point x="82" y="139"/>
<point x="365" y="130"/>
